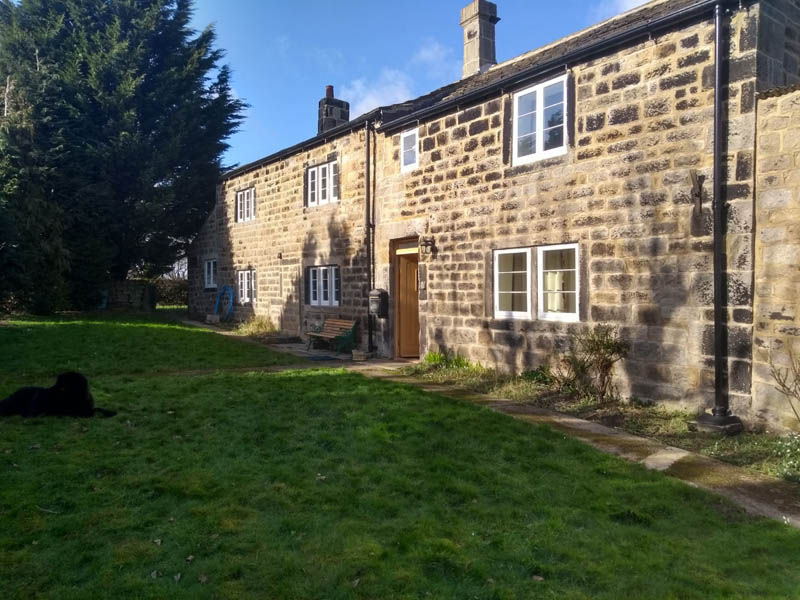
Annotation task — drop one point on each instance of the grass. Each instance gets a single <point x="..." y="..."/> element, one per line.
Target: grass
<point x="761" y="451"/>
<point x="35" y="349"/>
<point x="324" y="484"/>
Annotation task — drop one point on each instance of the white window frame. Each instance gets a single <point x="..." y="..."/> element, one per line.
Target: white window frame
<point x="246" y="205"/>
<point x="246" y="290"/>
<point x="404" y="168"/>
<point x="540" y="153"/>
<point x="210" y="273"/>
<point x="558" y="316"/>
<point x="512" y="314"/>
<point x="322" y="279"/>
<point x="329" y="173"/>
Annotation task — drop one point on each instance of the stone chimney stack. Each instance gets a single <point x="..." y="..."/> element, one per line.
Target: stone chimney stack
<point x="478" y="20"/>
<point x="332" y="112"/>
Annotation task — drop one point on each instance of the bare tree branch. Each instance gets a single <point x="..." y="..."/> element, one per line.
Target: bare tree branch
<point x="787" y="380"/>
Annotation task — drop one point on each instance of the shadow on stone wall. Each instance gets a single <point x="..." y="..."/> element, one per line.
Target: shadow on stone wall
<point x="338" y="247"/>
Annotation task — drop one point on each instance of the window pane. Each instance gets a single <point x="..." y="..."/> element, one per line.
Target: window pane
<point x="519" y="302"/>
<point x="323" y="183"/>
<point x="504" y="301"/>
<point x="559" y="259"/>
<point x="409" y="158"/>
<point x="554" y="116"/>
<point x="516" y="302"/>
<point x="526" y="145"/>
<point x="314" y="283"/>
<point x="512" y="261"/>
<point x="409" y="142"/>
<point x="554" y="94"/>
<point x="337" y="285"/>
<point x="560" y="302"/>
<point x="526" y="103"/>
<point x="335" y="178"/>
<point x="559" y="281"/>
<point x="526" y="124"/>
<point x="554" y="138"/>
<point x="323" y="275"/>
<point x="312" y="186"/>
<point x="512" y="282"/>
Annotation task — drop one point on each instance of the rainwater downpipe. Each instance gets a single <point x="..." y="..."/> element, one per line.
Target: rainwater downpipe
<point x="368" y="230"/>
<point x="720" y="418"/>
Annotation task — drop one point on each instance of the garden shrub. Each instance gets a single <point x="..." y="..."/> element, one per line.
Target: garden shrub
<point x="172" y="292"/>
<point x="257" y="326"/>
<point x="788" y="381"/>
<point x="588" y="369"/>
<point x="788" y="449"/>
<point x="540" y="375"/>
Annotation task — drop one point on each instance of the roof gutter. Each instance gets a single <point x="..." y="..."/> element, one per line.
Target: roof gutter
<point x="702" y="8"/>
<point x="349" y="127"/>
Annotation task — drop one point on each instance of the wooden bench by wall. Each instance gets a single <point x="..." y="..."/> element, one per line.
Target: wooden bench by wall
<point x="339" y="332"/>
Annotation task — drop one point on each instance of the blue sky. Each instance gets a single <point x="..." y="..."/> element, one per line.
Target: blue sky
<point x="374" y="52"/>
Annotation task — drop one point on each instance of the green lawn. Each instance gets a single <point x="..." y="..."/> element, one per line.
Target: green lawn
<point x="323" y="484"/>
<point x="102" y="345"/>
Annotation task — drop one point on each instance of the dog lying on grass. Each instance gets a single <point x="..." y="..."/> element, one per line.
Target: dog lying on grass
<point x="69" y="397"/>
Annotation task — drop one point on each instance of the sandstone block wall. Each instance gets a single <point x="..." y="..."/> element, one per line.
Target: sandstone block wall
<point x="286" y="236"/>
<point x="779" y="43"/>
<point x="642" y="120"/>
<point x="777" y="250"/>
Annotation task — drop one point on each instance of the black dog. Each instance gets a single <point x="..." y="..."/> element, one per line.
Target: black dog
<point x="69" y="397"/>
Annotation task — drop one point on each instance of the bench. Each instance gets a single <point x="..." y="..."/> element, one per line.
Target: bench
<point x="339" y="332"/>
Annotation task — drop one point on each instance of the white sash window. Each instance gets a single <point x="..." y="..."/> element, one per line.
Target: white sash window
<point x="322" y="184"/>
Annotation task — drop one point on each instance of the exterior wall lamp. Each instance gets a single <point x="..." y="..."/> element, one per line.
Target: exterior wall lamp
<point x="426" y="244"/>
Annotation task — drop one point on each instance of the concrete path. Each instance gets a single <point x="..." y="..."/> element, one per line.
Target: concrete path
<point x="757" y="494"/>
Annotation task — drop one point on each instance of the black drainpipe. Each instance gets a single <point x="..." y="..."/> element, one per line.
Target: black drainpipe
<point x="720" y="418"/>
<point x="368" y="231"/>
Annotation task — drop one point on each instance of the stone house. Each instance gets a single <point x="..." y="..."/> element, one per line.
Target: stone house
<point x="641" y="173"/>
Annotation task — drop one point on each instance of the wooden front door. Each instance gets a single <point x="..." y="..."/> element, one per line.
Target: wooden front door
<point x="407" y="326"/>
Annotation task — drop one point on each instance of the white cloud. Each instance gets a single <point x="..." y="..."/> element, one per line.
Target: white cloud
<point x="437" y="60"/>
<point x="391" y="86"/>
<point x="610" y="8"/>
<point x="432" y="62"/>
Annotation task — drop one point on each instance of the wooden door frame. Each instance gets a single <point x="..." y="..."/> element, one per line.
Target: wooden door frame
<point x="393" y="246"/>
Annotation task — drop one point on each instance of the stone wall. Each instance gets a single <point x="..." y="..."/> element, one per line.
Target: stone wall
<point x="642" y="122"/>
<point x="776" y="305"/>
<point x="643" y="119"/>
<point x="132" y="294"/>
<point x="779" y="43"/>
<point x="286" y="236"/>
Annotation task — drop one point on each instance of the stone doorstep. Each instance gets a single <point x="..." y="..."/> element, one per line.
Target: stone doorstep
<point x="757" y="494"/>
